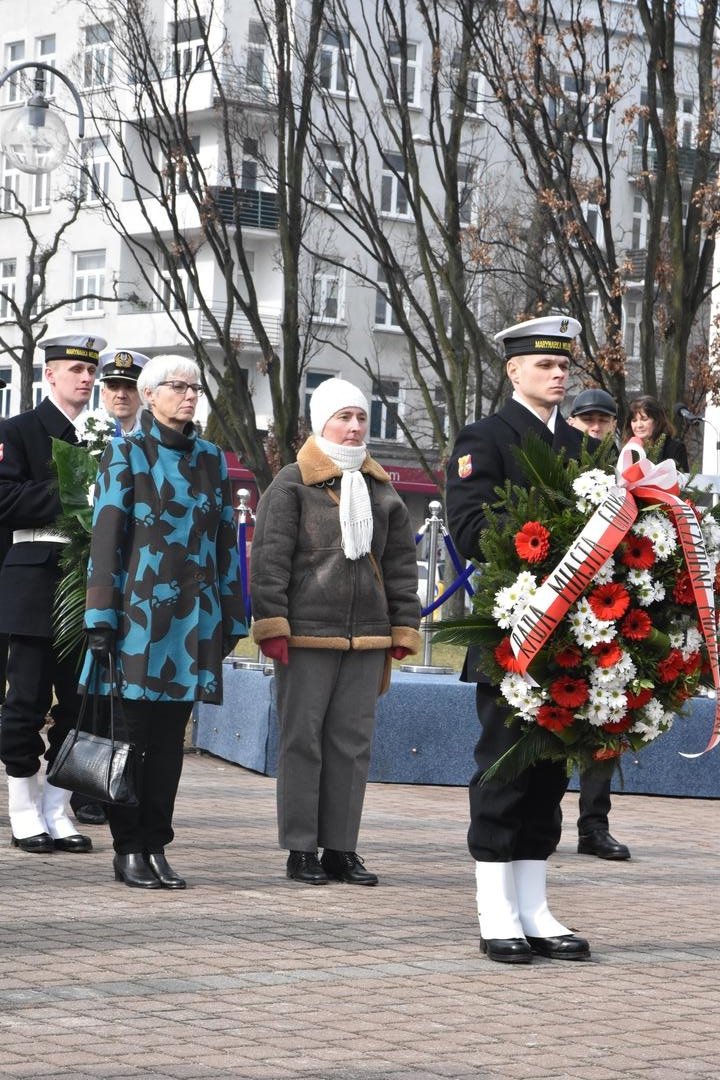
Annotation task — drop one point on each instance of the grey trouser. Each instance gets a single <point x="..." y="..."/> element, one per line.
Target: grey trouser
<point x="326" y="703"/>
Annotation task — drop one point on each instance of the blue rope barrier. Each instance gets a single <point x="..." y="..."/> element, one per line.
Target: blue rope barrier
<point x="242" y="558"/>
<point x="462" y="580"/>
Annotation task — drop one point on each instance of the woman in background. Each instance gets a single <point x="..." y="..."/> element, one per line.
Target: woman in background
<point x="334" y="596"/>
<point x="164" y="600"/>
<point x="648" y="421"/>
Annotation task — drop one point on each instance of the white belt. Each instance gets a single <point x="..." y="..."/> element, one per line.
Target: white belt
<point x="30" y="536"/>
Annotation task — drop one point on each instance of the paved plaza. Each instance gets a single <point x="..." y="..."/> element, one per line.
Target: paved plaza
<point x="248" y="975"/>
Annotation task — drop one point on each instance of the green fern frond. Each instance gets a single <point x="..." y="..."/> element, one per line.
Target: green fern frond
<point x="534" y="744"/>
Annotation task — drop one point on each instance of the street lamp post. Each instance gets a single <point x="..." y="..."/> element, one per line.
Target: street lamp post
<point x="34" y="138"/>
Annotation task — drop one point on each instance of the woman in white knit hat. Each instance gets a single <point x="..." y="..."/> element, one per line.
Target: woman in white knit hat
<point x="334" y="596"/>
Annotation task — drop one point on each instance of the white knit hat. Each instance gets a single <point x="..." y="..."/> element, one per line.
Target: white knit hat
<point x="331" y="396"/>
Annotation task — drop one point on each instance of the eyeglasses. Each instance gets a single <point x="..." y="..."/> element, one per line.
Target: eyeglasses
<point x="183" y="387"/>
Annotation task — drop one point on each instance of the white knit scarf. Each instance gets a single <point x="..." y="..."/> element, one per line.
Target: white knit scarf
<point x="356" y="520"/>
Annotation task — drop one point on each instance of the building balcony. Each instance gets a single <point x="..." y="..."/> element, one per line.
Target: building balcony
<point x="236" y="85"/>
<point x="256" y="209"/>
<point x="151" y="323"/>
<point x="687" y="157"/>
<point x="635" y="259"/>
<point x="240" y="329"/>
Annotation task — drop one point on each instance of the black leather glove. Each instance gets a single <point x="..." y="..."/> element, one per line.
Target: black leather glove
<point x="101" y="643"/>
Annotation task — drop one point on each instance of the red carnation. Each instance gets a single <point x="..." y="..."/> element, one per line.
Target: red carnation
<point x="636" y="625"/>
<point x="683" y="591"/>
<point x="607" y="653"/>
<point x="554" y="718"/>
<point x="605" y="753"/>
<point x="671" y="667"/>
<point x="616" y="727"/>
<point x="569" y="657"/>
<point x="532" y="543"/>
<point x="693" y="664"/>
<point x="637" y="552"/>
<point x="505" y="656"/>
<point x="609" y="602"/>
<point x="569" y="692"/>
<point x="636" y="701"/>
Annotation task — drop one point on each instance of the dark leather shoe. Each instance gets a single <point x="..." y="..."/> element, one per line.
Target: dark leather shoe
<point x="305" y="866"/>
<point x="563" y="947"/>
<point x="134" y="871"/>
<point x="92" y="813"/>
<point x="164" y="872"/>
<point x="507" y="950"/>
<point x="76" y="844"/>
<point x="347" y="866"/>
<point x="40" y="844"/>
<point x="601" y="843"/>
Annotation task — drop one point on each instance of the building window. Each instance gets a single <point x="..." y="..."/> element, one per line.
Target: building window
<point x="466" y="194"/>
<point x="14" y="53"/>
<point x="8" y="285"/>
<point x="258" y="69"/>
<point x="385" y="316"/>
<point x="175" y="289"/>
<point x="187" y="43"/>
<point x="6" y="392"/>
<point x="579" y="107"/>
<point x="474" y="89"/>
<point x="95" y="172"/>
<point x="249" y="165"/>
<point x="98" y="56"/>
<point x="312" y="381"/>
<point x="639" y="223"/>
<point x="45" y="51"/>
<point x="89" y="278"/>
<point x="181" y="173"/>
<point x="593" y="217"/>
<point x="9" y="187"/>
<point x="404" y="83"/>
<point x="384" y="413"/>
<point x="331" y="176"/>
<point x="328" y="293"/>
<point x="335" y="61"/>
<point x="40" y="191"/>
<point x="394" y="193"/>
<point x="38" y="390"/>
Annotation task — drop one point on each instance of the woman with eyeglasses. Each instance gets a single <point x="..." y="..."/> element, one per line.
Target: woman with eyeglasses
<point x="164" y="600"/>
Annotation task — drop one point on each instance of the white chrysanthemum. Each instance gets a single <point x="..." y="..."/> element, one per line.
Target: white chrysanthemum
<point x="596" y="711"/>
<point x="520" y="695"/>
<point x="609" y="677"/>
<point x="94" y="430"/>
<point x="646" y="590"/>
<point x="659" y="532"/>
<point x="591" y="488"/>
<point x="511" y="601"/>
<point x="693" y="641"/>
<point x="711" y="533"/>
<point x="606" y="573"/>
<point x="606" y="631"/>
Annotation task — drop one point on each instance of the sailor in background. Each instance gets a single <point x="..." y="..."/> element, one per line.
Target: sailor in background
<point x="29" y="506"/>
<point x="118" y="375"/>
<point x="514" y="827"/>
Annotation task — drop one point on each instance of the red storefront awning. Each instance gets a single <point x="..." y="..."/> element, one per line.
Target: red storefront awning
<point x="404" y="477"/>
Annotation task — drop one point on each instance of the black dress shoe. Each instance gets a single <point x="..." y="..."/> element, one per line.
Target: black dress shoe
<point x="164" y="872"/>
<point x="601" y="843"/>
<point x="513" y="950"/>
<point x="40" y="844"/>
<point x="134" y="871"/>
<point x="76" y="843"/>
<point x="92" y="813"/>
<point x="562" y="947"/>
<point x="305" y="866"/>
<point x="347" y="866"/>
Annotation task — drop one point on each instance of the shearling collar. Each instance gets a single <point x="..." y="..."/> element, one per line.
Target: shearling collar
<point x="316" y="467"/>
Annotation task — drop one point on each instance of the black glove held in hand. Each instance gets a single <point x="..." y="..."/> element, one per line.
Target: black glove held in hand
<point x="101" y="644"/>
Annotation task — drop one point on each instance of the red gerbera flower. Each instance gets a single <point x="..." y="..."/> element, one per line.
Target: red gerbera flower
<point x="554" y="717"/>
<point x="672" y="666"/>
<point x="693" y="664"/>
<point x="569" y="692"/>
<point x="607" y="653"/>
<point x="616" y="727"/>
<point x="505" y="656"/>
<point x="636" y="701"/>
<point x="637" y="552"/>
<point x="569" y="657"/>
<point x="636" y="625"/>
<point x="609" y="602"/>
<point x="682" y="591"/>
<point x="532" y="543"/>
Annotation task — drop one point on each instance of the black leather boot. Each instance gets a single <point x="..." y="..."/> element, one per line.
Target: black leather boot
<point x="164" y="872"/>
<point x="304" y="866"/>
<point x="134" y="871"/>
<point x="347" y="866"/>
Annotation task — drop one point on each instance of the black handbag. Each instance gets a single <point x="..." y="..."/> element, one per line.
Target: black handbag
<point x="103" y="769"/>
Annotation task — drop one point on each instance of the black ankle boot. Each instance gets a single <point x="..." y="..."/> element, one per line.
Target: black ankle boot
<point x="164" y="872"/>
<point x="134" y="871"/>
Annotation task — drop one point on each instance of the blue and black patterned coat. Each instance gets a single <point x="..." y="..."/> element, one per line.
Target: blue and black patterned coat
<point x="163" y="566"/>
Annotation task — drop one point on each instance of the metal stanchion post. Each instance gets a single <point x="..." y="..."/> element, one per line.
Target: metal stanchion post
<point x="245" y="516"/>
<point x="433" y="524"/>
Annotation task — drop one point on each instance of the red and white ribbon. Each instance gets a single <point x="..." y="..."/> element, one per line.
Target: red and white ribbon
<point x="645" y="482"/>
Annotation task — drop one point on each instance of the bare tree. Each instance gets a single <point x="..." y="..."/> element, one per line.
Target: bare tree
<point x="190" y="252"/>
